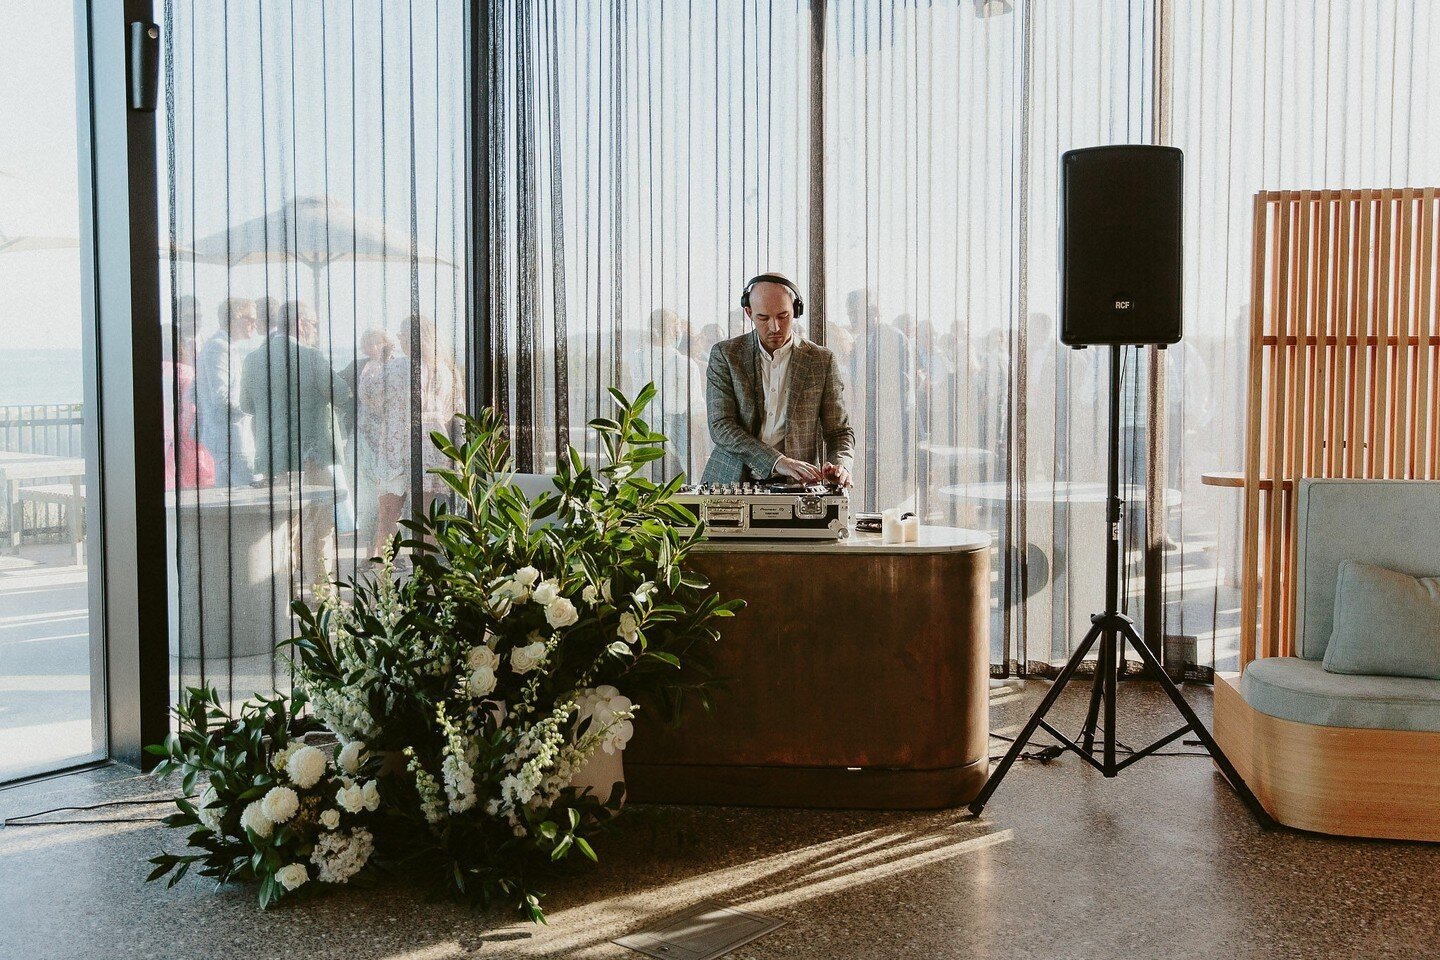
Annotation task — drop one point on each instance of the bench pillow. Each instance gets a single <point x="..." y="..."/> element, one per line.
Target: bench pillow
<point x="1386" y="623"/>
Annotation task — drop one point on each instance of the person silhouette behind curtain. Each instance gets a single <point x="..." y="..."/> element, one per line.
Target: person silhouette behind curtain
<point x="290" y="389"/>
<point x="224" y="428"/>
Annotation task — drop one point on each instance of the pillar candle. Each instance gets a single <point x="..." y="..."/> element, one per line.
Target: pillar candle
<point x="890" y="531"/>
<point x="910" y="529"/>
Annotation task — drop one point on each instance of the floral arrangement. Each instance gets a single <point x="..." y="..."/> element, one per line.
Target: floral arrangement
<point x="274" y="808"/>
<point x="481" y="685"/>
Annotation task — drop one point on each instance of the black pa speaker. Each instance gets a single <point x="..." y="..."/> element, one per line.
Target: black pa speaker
<point x="1120" y="225"/>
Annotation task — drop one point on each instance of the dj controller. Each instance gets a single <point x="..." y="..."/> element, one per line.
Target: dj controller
<point x="780" y="510"/>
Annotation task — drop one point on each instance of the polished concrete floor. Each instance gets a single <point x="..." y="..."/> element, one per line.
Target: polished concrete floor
<point x="1162" y="862"/>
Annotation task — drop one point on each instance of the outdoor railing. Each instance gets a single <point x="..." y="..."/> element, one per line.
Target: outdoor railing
<point x="44" y="429"/>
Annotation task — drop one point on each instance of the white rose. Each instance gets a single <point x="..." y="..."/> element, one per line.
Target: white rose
<point x="500" y="607"/>
<point x="590" y="594"/>
<point x="527" y="658"/>
<point x="330" y="819"/>
<point x="352" y="756"/>
<point x="305" y="767"/>
<point x="292" y="875"/>
<point x="371" y="796"/>
<point x="350" y="799"/>
<point x="482" y="681"/>
<point x="526" y="576"/>
<point x="629" y="629"/>
<point x="561" y="613"/>
<point x="253" y="818"/>
<point x="280" y="804"/>
<point x="482" y="656"/>
<point x="546" y="593"/>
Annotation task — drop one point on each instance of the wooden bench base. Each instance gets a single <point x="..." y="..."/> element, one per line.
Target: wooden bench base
<point x="1350" y="782"/>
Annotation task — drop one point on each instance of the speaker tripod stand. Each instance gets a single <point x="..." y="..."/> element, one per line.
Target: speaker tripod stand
<point x="1113" y="631"/>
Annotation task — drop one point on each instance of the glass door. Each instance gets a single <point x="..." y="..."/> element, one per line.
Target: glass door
<point x="51" y="711"/>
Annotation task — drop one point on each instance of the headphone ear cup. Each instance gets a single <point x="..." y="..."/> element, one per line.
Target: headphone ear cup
<point x="799" y="307"/>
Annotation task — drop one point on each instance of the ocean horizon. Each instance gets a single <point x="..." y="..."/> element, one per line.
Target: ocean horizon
<point x="31" y="375"/>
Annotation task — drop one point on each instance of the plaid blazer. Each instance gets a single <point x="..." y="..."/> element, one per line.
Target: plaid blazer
<point x="819" y="426"/>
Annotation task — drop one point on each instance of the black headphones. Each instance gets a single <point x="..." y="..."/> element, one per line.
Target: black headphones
<point x="796" y="299"/>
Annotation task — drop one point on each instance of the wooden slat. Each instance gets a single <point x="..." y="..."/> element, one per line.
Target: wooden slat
<point x="1344" y="376"/>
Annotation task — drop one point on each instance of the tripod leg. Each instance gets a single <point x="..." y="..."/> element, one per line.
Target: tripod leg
<point x="1181" y="704"/>
<point x="1023" y="737"/>
<point x="1092" y="715"/>
<point x="1114" y="655"/>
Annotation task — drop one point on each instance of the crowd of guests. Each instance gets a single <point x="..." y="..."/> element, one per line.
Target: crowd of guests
<point x="261" y="403"/>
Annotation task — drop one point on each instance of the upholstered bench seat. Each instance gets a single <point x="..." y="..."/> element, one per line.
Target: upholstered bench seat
<point x="1292" y="688"/>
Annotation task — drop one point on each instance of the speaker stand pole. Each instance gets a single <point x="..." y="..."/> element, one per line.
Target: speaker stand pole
<point x="1113" y="631"/>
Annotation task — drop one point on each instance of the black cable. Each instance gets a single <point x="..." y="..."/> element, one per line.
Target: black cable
<point x="20" y="821"/>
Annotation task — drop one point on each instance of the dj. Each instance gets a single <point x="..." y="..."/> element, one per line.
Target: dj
<point x="775" y="400"/>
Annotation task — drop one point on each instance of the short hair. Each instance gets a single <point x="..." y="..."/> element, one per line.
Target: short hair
<point x="268" y="310"/>
<point x="225" y="312"/>
<point x="293" y="310"/>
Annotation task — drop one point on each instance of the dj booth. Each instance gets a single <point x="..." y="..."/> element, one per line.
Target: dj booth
<point x="859" y="677"/>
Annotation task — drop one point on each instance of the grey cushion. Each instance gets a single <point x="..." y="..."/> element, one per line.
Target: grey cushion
<point x="1390" y="523"/>
<point x="1386" y="623"/>
<point x="1301" y="690"/>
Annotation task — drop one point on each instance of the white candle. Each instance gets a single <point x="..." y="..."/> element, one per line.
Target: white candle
<point x="890" y="530"/>
<point x="910" y="529"/>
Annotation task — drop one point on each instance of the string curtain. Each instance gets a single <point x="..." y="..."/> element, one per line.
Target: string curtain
<point x="314" y="167"/>
<point x="900" y="160"/>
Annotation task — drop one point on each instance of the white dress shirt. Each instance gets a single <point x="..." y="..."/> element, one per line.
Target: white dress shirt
<point x="775" y="381"/>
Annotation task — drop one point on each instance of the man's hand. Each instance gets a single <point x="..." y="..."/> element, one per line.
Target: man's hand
<point x="836" y="474"/>
<point x="798" y="470"/>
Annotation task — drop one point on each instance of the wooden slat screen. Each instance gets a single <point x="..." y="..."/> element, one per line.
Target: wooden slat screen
<point x="1344" y="377"/>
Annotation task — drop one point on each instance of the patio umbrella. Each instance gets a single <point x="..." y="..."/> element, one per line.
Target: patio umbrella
<point x="313" y="231"/>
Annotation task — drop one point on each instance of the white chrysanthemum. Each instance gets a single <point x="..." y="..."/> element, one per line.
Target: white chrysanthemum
<point x="590" y="594"/>
<point x="526" y="576"/>
<point x="351" y="799"/>
<point x="561" y="613"/>
<point x="370" y="796"/>
<point x="482" y="656"/>
<point x="546" y="592"/>
<point x="292" y="875"/>
<point x="253" y="818"/>
<point x="351" y="756"/>
<point x="305" y="767"/>
<point x="209" y="816"/>
<point x="330" y="819"/>
<point x="482" y="682"/>
<point x="280" y="804"/>
<point x="282" y="757"/>
<point x="527" y="658"/>
<point x="629" y="629"/>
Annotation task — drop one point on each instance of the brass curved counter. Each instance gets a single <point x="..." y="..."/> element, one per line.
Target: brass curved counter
<point x="859" y="678"/>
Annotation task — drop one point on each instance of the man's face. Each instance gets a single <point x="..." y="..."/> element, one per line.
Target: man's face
<point x="772" y="309"/>
<point x="242" y="321"/>
<point x="308" y="326"/>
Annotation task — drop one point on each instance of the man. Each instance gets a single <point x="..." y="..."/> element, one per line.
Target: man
<point x="776" y="401"/>
<point x="292" y="392"/>
<point x="224" y="428"/>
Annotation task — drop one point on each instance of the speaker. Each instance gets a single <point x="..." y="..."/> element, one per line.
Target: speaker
<point x="1120" y="238"/>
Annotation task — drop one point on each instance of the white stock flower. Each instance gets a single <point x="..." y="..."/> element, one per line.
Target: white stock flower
<point x="330" y="819"/>
<point x="370" y="795"/>
<point x="351" y="756"/>
<point x="482" y="681"/>
<point x="305" y="767"/>
<point x="590" y="594"/>
<point x="253" y="818"/>
<point x="482" y="656"/>
<point x="527" y="658"/>
<point x="526" y="575"/>
<point x="351" y="799"/>
<point x="280" y="804"/>
<point x="339" y="856"/>
<point x="292" y="875"/>
<point x="546" y="592"/>
<point x="629" y="629"/>
<point x="209" y="816"/>
<point x="561" y="613"/>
